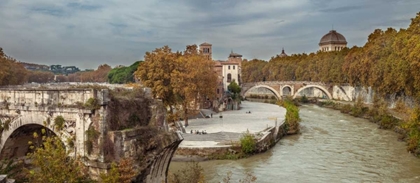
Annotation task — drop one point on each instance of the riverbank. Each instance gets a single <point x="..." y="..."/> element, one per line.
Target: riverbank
<point x="385" y="118"/>
<point x="224" y="130"/>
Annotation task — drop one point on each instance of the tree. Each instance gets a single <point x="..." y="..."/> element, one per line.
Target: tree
<point x="194" y="80"/>
<point x="51" y="163"/>
<point x="122" y="75"/>
<point x="40" y="76"/>
<point x="234" y="88"/>
<point x="180" y="80"/>
<point x="98" y="75"/>
<point x="155" y="73"/>
<point x="11" y="71"/>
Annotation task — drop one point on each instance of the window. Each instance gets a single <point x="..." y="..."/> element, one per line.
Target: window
<point x="206" y="50"/>
<point x="233" y="67"/>
<point x="228" y="67"/>
<point x="217" y="90"/>
<point x="229" y="78"/>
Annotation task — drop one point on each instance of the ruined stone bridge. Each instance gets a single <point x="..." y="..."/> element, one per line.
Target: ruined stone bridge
<point x="300" y="88"/>
<point x="26" y="110"/>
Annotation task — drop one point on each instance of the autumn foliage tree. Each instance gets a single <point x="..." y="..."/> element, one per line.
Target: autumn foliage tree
<point x="155" y="73"/>
<point x="50" y="162"/>
<point x="11" y="71"/>
<point x="193" y="80"/>
<point x="98" y="75"/>
<point x="40" y="76"/>
<point x="389" y="62"/>
<point x="180" y="80"/>
<point x="123" y="172"/>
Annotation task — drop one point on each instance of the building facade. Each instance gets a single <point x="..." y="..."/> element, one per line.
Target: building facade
<point x="227" y="70"/>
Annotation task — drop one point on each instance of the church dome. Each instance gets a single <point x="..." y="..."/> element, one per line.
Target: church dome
<point x="283" y="54"/>
<point x="333" y="37"/>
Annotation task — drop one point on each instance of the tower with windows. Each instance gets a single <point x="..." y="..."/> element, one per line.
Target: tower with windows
<point x="205" y="48"/>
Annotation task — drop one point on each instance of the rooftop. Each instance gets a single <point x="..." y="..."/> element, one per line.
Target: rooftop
<point x="332" y="37"/>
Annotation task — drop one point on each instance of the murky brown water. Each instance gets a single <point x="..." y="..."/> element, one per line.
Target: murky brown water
<point x="333" y="147"/>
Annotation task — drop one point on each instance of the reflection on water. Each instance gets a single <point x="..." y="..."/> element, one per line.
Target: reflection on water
<point x="333" y="147"/>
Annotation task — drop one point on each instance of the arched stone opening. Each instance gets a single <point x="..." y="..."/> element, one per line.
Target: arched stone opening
<point x="276" y="93"/>
<point x="286" y="91"/>
<point x="327" y="94"/>
<point x="16" y="145"/>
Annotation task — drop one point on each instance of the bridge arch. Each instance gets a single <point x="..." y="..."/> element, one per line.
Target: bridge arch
<point x="286" y="90"/>
<point x="276" y="93"/>
<point x="24" y="121"/>
<point x="313" y="86"/>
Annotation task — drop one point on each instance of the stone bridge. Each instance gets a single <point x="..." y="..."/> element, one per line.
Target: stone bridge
<point x="25" y="110"/>
<point x="300" y="88"/>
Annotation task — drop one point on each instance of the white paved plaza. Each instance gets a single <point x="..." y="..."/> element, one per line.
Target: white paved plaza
<point x="233" y="124"/>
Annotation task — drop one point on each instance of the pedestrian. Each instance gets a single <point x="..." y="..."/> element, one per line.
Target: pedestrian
<point x="211" y="115"/>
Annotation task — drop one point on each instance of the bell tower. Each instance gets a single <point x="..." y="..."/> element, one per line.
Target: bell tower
<point x="205" y="48"/>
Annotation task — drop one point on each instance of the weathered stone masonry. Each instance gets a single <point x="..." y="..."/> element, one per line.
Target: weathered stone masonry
<point x="28" y="109"/>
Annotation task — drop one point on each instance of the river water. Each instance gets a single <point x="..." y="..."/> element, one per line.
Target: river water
<point x="333" y="147"/>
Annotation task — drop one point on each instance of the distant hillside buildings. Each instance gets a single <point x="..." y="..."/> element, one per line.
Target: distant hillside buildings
<point x="56" y="69"/>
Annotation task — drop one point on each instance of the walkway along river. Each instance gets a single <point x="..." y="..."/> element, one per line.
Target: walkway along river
<point x="333" y="147"/>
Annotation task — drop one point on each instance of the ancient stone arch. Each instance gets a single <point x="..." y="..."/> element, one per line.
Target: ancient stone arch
<point x="276" y="93"/>
<point x="287" y="90"/>
<point x="313" y="86"/>
<point x="34" y="119"/>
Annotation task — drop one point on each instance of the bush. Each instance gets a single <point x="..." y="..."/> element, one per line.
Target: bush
<point x="192" y="172"/>
<point x="304" y="99"/>
<point x="346" y="108"/>
<point x="292" y="116"/>
<point x="388" y="121"/>
<point x="92" y="104"/>
<point x="92" y="136"/>
<point x="248" y="144"/>
<point x="122" y="172"/>
<point x="400" y="106"/>
<point x="412" y="127"/>
<point x="59" y="122"/>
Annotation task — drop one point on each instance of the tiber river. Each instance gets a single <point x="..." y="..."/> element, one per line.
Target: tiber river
<point x="333" y="147"/>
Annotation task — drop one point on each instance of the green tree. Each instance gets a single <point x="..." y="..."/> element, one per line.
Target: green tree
<point x="234" y="88"/>
<point x="121" y="75"/>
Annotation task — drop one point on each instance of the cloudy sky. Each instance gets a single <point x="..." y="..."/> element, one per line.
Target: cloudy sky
<point x="86" y="33"/>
